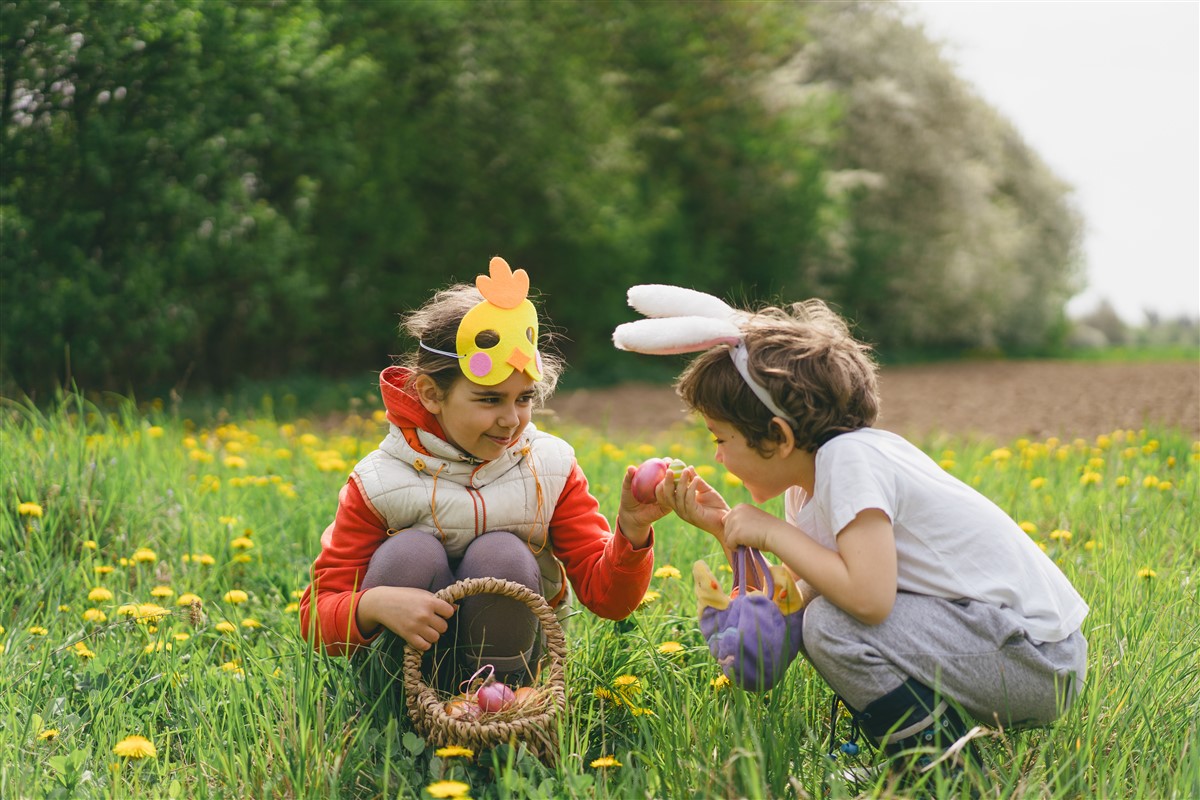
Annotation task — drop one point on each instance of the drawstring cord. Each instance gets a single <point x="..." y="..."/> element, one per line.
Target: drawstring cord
<point x="540" y="511"/>
<point x="850" y="746"/>
<point x="433" y="504"/>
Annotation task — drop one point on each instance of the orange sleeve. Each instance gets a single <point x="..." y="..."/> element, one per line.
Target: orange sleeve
<point x="346" y="549"/>
<point x="608" y="575"/>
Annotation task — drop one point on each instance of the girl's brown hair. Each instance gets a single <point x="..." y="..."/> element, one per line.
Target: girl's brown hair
<point x="436" y="324"/>
<point x="806" y="358"/>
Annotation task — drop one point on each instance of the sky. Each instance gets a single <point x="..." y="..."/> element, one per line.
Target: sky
<point x="1108" y="94"/>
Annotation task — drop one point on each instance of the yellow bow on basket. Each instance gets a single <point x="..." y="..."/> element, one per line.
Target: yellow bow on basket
<point x="529" y="717"/>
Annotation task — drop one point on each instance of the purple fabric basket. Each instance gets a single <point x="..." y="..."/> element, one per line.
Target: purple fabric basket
<point x="751" y="638"/>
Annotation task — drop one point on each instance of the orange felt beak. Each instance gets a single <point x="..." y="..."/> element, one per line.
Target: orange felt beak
<point x="517" y="360"/>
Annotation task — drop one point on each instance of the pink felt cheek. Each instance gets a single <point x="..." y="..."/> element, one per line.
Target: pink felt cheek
<point x="481" y="364"/>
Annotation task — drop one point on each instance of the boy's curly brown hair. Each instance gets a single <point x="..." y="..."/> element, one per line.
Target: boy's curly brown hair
<point x="808" y="361"/>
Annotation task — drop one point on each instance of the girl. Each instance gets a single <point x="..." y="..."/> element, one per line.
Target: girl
<point x="465" y="486"/>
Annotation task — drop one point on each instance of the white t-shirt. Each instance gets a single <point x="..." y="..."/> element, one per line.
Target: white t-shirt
<point x="951" y="541"/>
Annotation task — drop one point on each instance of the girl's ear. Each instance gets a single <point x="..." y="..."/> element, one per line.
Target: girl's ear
<point x="785" y="437"/>
<point x="429" y="394"/>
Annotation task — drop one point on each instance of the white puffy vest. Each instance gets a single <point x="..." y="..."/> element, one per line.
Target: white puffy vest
<point x="457" y="498"/>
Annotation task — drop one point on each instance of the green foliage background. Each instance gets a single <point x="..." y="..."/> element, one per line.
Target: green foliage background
<point x="196" y="192"/>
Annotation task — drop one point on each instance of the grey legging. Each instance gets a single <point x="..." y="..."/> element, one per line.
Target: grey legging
<point x="489" y="629"/>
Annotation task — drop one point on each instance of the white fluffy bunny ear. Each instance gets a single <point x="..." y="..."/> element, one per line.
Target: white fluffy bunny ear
<point x="682" y="321"/>
<point x="661" y="300"/>
<point x="670" y="335"/>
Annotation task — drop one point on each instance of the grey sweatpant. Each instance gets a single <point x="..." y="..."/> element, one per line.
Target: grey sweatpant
<point x="488" y="629"/>
<point x="972" y="653"/>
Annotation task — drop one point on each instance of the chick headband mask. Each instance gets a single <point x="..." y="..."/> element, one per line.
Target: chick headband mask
<point x="504" y="316"/>
<point x="686" y="321"/>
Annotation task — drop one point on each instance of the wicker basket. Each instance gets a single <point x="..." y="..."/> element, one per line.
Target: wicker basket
<point x="538" y="730"/>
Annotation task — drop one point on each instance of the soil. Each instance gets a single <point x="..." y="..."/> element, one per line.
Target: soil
<point x="1001" y="400"/>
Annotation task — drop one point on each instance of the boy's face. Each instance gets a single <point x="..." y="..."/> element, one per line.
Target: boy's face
<point x="484" y="420"/>
<point x="764" y="478"/>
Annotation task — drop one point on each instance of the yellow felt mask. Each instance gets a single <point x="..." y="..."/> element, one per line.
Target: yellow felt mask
<point x="504" y="314"/>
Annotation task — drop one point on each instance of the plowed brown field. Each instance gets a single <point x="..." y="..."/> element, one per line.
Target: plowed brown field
<point x="998" y="400"/>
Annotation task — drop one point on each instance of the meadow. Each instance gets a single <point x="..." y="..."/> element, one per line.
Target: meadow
<point x="150" y="645"/>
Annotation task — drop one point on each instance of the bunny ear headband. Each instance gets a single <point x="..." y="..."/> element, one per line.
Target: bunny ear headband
<point x="686" y="321"/>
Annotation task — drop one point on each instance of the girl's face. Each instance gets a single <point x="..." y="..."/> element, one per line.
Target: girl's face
<point x="763" y="477"/>
<point x="483" y="420"/>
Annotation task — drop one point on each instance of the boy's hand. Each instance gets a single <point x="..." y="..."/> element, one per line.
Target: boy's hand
<point x="694" y="501"/>
<point x="633" y="518"/>
<point x="415" y="615"/>
<point x="749" y="526"/>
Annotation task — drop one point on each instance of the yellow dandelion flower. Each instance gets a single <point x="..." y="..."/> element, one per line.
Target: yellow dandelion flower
<point x="605" y="694"/>
<point x="1037" y="483"/>
<point x="81" y="650"/>
<point x="187" y="598"/>
<point x="1092" y="544"/>
<point x="94" y="615"/>
<point x="241" y="543"/>
<point x="667" y="571"/>
<point x="64" y="607"/>
<point x="182" y="636"/>
<point x="200" y="456"/>
<point x="1145" y="573"/>
<point x="947" y="464"/>
<point x="143" y="555"/>
<point x="454" y="751"/>
<point x="205" y="559"/>
<point x="232" y="666"/>
<point x="162" y="591"/>
<point x="1060" y="534"/>
<point x="127" y="610"/>
<point x="250" y="622"/>
<point x="1122" y="480"/>
<point x="720" y="682"/>
<point x="291" y="608"/>
<point x="1103" y="441"/>
<point x="1001" y="454"/>
<point x="135" y="747"/>
<point x="102" y="569"/>
<point x="731" y="480"/>
<point x="156" y="647"/>
<point x="455" y="790"/>
<point x="649" y="597"/>
<point x="154" y="431"/>
<point x="642" y="712"/>
<point x="36" y="630"/>
<point x="225" y="626"/>
<point x="100" y="595"/>
<point x="627" y="683"/>
<point x="235" y="596"/>
<point x="90" y="544"/>
<point x="1150" y="481"/>
<point x="1165" y="486"/>
<point x="150" y="612"/>
<point x="1089" y="478"/>
<point x="234" y="462"/>
<point x="1028" y="527"/>
<point x="48" y="735"/>
<point x="604" y="762"/>
<point x="29" y="509"/>
<point x="227" y="520"/>
<point x="670" y="648"/>
<point x="1042" y="546"/>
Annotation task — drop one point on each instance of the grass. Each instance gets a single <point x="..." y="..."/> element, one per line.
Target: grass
<point x="136" y="507"/>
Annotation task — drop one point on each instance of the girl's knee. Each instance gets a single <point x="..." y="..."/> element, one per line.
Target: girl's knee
<point x="500" y="554"/>
<point x="409" y="558"/>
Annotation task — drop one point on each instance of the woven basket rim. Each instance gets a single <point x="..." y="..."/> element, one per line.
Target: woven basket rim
<point x="426" y="709"/>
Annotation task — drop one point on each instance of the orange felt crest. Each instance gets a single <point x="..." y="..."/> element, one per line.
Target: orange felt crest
<point x="504" y="288"/>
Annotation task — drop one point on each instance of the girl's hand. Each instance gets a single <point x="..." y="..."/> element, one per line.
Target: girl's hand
<point x="694" y="501"/>
<point x="633" y="518"/>
<point x="415" y="615"/>
<point x="749" y="526"/>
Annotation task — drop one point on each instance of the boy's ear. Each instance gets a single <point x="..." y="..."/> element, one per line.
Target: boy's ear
<point x="428" y="393"/>
<point x="785" y="437"/>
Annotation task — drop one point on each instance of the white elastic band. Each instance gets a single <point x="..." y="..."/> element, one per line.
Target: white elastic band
<point x="740" y="357"/>
<point x="439" y="352"/>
